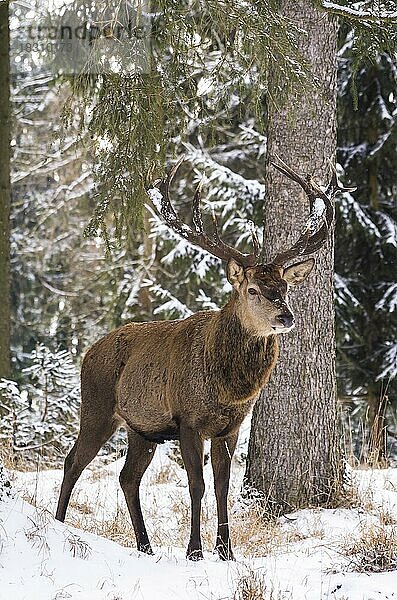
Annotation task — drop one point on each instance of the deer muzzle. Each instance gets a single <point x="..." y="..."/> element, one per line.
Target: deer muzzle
<point x="283" y="322"/>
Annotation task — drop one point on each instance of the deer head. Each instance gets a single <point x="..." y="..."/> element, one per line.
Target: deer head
<point x="262" y="289"/>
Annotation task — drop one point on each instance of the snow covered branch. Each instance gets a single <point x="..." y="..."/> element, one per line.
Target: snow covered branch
<point x="348" y="12"/>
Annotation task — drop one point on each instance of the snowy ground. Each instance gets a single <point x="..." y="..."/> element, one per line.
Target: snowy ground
<point x="304" y="557"/>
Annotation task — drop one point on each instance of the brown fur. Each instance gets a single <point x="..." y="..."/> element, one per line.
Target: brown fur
<point x="190" y="380"/>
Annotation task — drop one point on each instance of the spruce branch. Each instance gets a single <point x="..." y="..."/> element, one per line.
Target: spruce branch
<point x="357" y="14"/>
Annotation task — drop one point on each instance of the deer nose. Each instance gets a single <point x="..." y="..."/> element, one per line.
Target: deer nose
<point x="286" y="319"/>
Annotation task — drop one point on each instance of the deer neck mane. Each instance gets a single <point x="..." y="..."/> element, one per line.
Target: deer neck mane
<point x="239" y="361"/>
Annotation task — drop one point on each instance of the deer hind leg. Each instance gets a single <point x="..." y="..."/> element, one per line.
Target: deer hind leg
<point x="222" y="450"/>
<point x="89" y="442"/>
<point x="139" y="456"/>
<point x="192" y="450"/>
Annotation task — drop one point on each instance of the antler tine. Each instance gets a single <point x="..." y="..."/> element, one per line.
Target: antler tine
<point x="248" y="260"/>
<point x="334" y="187"/>
<point x="255" y="241"/>
<point x="333" y="183"/>
<point x="197" y="236"/>
<point x="216" y="227"/>
<point x="167" y="210"/>
<point x="286" y="170"/>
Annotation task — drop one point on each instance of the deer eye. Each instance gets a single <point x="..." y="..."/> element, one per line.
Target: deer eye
<point x="252" y="291"/>
<point x="270" y="295"/>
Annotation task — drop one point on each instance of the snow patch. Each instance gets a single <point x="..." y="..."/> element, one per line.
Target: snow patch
<point x="42" y="559"/>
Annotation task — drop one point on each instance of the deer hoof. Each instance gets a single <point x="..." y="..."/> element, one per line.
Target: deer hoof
<point x="194" y="554"/>
<point x="225" y="552"/>
<point x="146" y="548"/>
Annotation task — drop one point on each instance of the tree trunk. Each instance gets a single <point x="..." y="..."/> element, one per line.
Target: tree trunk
<point x="292" y="458"/>
<point x="5" y="193"/>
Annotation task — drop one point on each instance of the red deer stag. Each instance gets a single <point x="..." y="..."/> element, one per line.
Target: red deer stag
<point x="196" y="378"/>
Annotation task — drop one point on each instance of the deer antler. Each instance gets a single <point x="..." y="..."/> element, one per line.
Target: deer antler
<point x="312" y="238"/>
<point x="196" y="235"/>
<point x="321" y="216"/>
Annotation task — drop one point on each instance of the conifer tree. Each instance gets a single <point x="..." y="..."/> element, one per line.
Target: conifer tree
<point x="367" y="241"/>
<point x="292" y="458"/>
<point x="5" y="192"/>
<point x="204" y="95"/>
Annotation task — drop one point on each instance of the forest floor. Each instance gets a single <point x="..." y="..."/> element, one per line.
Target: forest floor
<point x="313" y="554"/>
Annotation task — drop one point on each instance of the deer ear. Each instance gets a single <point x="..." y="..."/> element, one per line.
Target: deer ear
<point x="298" y="272"/>
<point x="235" y="273"/>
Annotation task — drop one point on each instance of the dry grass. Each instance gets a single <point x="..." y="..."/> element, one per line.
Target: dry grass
<point x="62" y="595"/>
<point x="117" y="528"/>
<point x="82" y="507"/>
<point x="37" y="532"/>
<point x="390" y="486"/>
<point x="178" y="534"/>
<point x="95" y="475"/>
<point x="349" y="497"/>
<point x="365" y="500"/>
<point x="374" y="550"/>
<point x="77" y="547"/>
<point x="165" y="475"/>
<point x="386" y="517"/>
<point x="254" y="534"/>
<point x="252" y="585"/>
<point x="12" y="460"/>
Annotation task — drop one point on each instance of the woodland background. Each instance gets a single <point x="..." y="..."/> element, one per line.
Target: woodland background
<point x="85" y="258"/>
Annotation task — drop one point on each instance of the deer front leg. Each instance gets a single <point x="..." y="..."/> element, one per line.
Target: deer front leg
<point x="192" y="447"/>
<point x="221" y="457"/>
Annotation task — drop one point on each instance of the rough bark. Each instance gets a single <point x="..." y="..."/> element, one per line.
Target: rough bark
<point x="5" y="192"/>
<point x="292" y="457"/>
